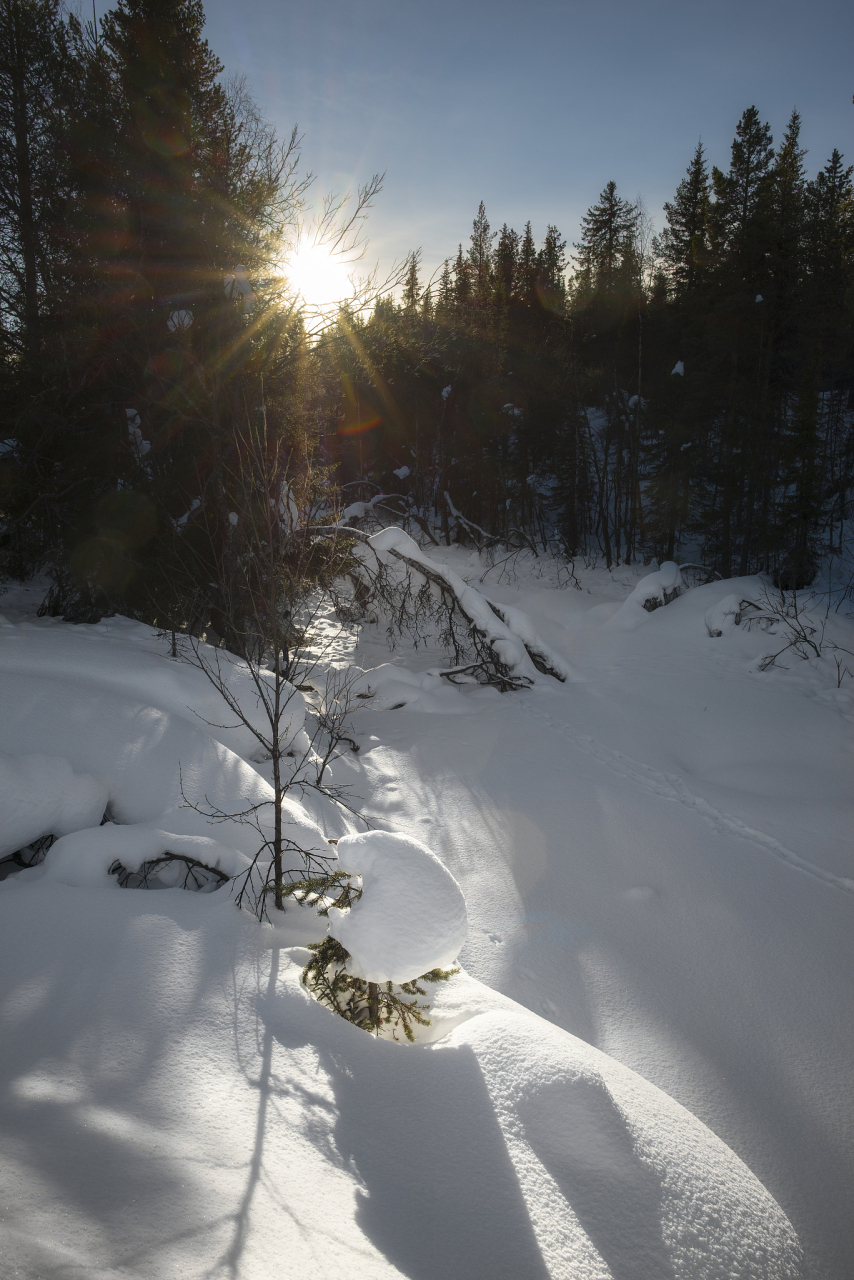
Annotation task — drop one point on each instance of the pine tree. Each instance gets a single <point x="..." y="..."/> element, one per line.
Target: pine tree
<point x="170" y="104"/>
<point x="445" y="297"/>
<point x="462" y="281"/>
<point x="526" y="288"/>
<point x="829" y="252"/>
<point x="411" y="295"/>
<point x="507" y="260"/>
<point x="739" y="214"/>
<point x="551" y="271"/>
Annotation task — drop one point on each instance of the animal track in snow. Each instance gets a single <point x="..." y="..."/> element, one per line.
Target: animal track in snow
<point x="671" y="786"/>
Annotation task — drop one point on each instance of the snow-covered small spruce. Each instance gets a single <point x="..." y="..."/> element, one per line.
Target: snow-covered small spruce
<point x="408" y="917"/>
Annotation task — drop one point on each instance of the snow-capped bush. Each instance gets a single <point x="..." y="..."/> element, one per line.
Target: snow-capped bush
<point x="405" y="922"/>
<point x="411" y="916"/>
<point x="653" y="591"/>
<point x="86" y="857"/>
<point x="723" y="616"/>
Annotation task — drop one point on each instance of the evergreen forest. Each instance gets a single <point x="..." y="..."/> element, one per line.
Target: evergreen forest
<point x="623" y="397"/>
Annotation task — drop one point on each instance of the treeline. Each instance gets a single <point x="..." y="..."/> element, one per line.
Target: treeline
<point x="690" y="392"/>
<point x="144" y="327"/>
<point x="630" y="397"/>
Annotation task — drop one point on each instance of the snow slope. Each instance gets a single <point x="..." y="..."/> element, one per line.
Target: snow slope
<point x="671" y="868"/>
<point x="173" y="1103"/>
<point x="667" y="884"/>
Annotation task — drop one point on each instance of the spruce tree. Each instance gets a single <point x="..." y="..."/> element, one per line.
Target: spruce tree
<point x="479" y="259"/>
<point x="683" y="243"/>
<point x="606" y="234"/>
<point x="740" y="212"/>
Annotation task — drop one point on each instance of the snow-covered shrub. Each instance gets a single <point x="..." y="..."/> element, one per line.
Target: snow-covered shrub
<point x="723" y="616"/>
<point x="170" y="871"/>
<point x="652" y="592"/>
<point x="392" y="575"/>
<point x="792" y="618"/>
<point x="141" y="854"/>
<point x="403" y="924"/>
<point x="376" y="1007"/>
<point x="412" y="914"/>
<point x="41" y="796"/>
<point x="659" y="588"/>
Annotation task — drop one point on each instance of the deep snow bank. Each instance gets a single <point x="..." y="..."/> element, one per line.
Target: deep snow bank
<point x="42" y="795"/>
<point x="171" y="1098"/>
<point x="126" y="657"/>
<point x="79" y="694"/>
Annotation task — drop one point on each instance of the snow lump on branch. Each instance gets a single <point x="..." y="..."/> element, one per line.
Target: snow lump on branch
<point x="411" y="917"/>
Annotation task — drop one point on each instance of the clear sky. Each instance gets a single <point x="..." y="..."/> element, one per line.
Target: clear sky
<point x="532" y="107"/>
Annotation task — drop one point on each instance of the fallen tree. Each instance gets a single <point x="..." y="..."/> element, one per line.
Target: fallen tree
<point x="501" y="643"/>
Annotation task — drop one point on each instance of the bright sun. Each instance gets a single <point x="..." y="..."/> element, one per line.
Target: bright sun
<point x="320" y="278"/>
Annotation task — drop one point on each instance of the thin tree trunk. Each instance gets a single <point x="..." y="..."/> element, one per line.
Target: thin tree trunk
<point x="23" y="177"/>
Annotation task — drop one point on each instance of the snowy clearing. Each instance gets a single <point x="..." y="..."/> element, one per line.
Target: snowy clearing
<point x="644" y="1069"/>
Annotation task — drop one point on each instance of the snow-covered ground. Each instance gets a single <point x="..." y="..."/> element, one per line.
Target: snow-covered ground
<point x="645" y="1069"/>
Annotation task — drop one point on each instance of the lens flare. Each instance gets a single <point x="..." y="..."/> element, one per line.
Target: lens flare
<point x="356" y="428"/>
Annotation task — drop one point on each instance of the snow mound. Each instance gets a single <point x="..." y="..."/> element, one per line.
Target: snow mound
<point x="412" y="914"/>
<point x="85" y="857"/>
<point x="151" y="766"/>
<point x="132" y="659"/>
<point x="620" y="1180"/>
<point x="723" y="616"/>
<point x="391" y="688"/>
<point x="656" y="589"/>
<point x="42" y="795"/>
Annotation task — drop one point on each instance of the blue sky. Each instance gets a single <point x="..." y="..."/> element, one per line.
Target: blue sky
<point x="532" y="108"/>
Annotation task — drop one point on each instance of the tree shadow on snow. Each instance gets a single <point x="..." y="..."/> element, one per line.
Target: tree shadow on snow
<point x="94" y="1010"/>
<point x="582" y="1139"/>
<point x="441" y="1196"/>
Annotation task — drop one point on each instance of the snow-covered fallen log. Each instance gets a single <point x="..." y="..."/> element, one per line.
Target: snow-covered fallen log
<point x="506" y="645"/>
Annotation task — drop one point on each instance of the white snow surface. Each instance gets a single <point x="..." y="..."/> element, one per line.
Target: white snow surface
<point x="645" y="1069"/>
<point x="391" y="687"/>
<point x="42" y="795"/>
<point x="411" y="916"/>
<point x="108" y="701"/>
<point x="126" y="657"/>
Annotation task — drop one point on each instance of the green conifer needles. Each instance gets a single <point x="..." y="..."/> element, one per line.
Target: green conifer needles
<point x="372" y="1005"/>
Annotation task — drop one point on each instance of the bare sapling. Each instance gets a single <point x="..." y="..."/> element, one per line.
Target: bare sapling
<point x="258" y="647"/>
